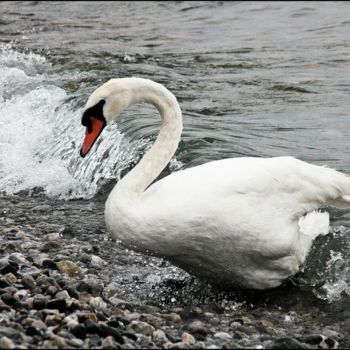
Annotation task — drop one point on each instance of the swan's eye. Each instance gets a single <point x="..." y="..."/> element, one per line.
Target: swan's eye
<point x="95" y="111"/>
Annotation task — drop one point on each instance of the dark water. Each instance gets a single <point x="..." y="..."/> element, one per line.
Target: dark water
<point x="253" y="79"/>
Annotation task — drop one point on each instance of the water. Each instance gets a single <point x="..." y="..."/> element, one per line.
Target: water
<point x="253" y="79"/>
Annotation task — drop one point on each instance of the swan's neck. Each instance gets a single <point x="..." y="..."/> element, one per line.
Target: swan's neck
<point x="161" y="152"/>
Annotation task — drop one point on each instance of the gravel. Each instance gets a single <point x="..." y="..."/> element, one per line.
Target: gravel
<point x="65" y="284"/>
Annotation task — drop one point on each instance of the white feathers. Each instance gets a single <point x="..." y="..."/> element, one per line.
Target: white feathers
<point x="233" y="221"/>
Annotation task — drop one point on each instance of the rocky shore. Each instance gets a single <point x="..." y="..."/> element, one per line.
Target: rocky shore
<point x="65" y="284"/>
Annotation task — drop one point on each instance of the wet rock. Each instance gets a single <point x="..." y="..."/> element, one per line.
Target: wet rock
<point x="108" y="343"/>
<point x="96" y="261"/>
<point x="38" y="324"/>
<point x="10" y="332"/>
<point x="11" y="267"/>
<point x="19" y="258"/>
<point x="173" y="317"/>
<point x="91" y="285"/>
<point x="110" y="331"/>
<point x="10" y="277"/>
<point x="159" y="337"/>
<point x="52" y="320"/>
<point x="141" y="328"/>
<point x="49" y="264"/>
<point x="155" y="321"/>
<point x="59" y="304"/>
<point x="62" y="295"/>
<point x="188" y="338"/>
<point x="20" y="295"/>
<point x="4" y="306"/>
<point x="288" y="343"/>
<point x="222" y="336"/>
<point x="51" y="246"/>
<point x="98" y="303"/>
<point x="69" y="268"/>
<point x="39" y="302"/>
<point x="42" y="208"/>
<point x="28" y="282"/>
<point x="72" y="292"/>
<point x="198" y="329"/>
<point x="76" y="343"/>
<point x="79" y="331"/>
<point x="8" y="299"/>
<point x="6" y="343"/>
<point x="4" y="283"/>
<point x="320" y="341"/>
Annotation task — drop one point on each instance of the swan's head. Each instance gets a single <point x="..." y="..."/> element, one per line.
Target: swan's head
<point x="104" y="105"/>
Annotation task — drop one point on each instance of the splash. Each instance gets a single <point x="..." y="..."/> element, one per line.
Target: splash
<point x="40" y="135"/>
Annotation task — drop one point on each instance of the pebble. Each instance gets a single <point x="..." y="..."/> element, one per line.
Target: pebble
<point x="67" y="296"/>
<point x="222" y="336"/>
<point x="69" y="268"/>
<point x="198" y="329"/>
<point x="188" y="338"/>
<point x="98" y="303"/>
<point x="28" y="282"/>
<point x="6" y="343"/>
<point x="141" y="328"/>
<point x="159" y="337"/>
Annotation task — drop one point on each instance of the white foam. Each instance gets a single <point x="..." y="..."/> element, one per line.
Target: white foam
<point x="41" y="134"/>
<point x="338" y="281"/>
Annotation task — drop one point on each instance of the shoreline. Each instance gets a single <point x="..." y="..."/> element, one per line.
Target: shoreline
<point x="65" y="284"/>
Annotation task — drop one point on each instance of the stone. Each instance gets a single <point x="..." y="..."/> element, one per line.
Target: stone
<point x="98" y="303"/>
<point x="96" y="261"/>
<point x="71" y="321"/>
<point x="222" y="336"/>
<point x="72" y="292"/>
<point x="52" y="320"/>
<point x="3" y="306"/>
<point x="62" y="295"/>
<point x="92" y="327"/>
<point x="110" y="331"/>
<point x="76" y="343"/>
<point x="155" y="321"/>
<point x="39" y="302"/>
<point x="6" y="343"/>
<point x="38" y="324"/>
<point x="108" y="343"/>
<point x="11" y="267"/>
<point x="79" y="331"/>
<point x="159" y="337"/>
<point x="10" y="277"/>
<point x="20" y="295"/>
<point x="69" y="268"/>
<point x="28" y="282"/>
<point x="8" y="299"/>
<point x="188" y="338"/>
<point x="32" y="331"/>
<point x="198" y="329"/>
<point x="288" y="343"/>
<point x="173" y="317"/>
<point x="51" y="246"/>
<point x="19" y="258"/>
<point x="140" y="328"/>
<point x="59" y="304"/>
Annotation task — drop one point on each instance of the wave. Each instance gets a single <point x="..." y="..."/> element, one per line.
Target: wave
<point x="41" y="134"/>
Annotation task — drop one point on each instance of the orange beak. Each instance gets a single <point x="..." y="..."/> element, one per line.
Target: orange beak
<point x="91" y="135"/>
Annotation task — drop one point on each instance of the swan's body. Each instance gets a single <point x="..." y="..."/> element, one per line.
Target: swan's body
<point x="235" y="221"/>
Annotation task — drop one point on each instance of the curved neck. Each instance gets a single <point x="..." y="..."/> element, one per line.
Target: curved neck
<point x="161" y="152"/>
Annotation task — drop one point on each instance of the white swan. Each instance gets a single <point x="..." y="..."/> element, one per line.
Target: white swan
<point x="235" y="221"/>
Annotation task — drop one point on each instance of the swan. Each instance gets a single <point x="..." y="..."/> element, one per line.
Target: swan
<point x="247" y="222"/>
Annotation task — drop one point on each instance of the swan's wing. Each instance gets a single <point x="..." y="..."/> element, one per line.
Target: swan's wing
<point x="240" y="217"/>
<point x="286" y="182"/>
